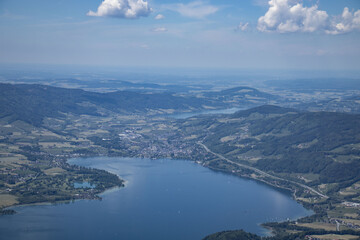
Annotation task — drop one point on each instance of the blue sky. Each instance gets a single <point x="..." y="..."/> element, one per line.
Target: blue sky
<point x="239" y="34"/>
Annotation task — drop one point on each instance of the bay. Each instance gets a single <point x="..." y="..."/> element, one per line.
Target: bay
<point x="162" y="199"/>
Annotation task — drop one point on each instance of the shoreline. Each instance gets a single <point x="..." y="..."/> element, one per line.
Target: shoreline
<point x="106" y="191"/>
<point x="125" y="182"/>
<point x="267" y="231"/>
<point x="97" y="196"/>
<point x="261" y="181"/>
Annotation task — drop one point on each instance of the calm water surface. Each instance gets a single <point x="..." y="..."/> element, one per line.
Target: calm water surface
<point x="163" y="199"/>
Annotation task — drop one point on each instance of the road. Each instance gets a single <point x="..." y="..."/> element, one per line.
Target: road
<point x="262" y="172"/>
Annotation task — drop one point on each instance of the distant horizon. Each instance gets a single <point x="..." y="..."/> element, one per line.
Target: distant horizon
<point x="202" y="72"/>
<point x="206" y="34"/>
<point x="204" y="68"/>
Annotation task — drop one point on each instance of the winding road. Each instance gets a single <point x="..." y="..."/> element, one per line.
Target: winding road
<point x="262" y="172"/>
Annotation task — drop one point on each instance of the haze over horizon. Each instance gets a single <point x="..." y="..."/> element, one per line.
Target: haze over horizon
<point x="257" y="34"/>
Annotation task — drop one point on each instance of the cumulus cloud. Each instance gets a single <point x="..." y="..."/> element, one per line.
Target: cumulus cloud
<point x="347" y="22"/>
<point x="196" y="9"/>
<point x="159" y="17"/>
<point x="159" y="29"/>
<point x="291" y="16"/>
<point x="242" y="27"/>
<point x="122" y="9"/>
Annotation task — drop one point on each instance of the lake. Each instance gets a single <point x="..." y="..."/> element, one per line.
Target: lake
<point x="162" y="200"/>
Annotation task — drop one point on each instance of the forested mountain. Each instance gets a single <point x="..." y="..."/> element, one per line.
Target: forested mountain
<point x="284" y="140"/>
<point x="31" y="103"/>
<point x="232" y="235"/>
<point x="242" y="95"/>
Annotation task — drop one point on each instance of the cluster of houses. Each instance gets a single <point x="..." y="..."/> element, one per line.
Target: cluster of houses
<point x="351" y="204"/>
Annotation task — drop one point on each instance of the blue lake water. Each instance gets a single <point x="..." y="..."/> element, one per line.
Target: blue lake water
<point x="162" y="200"/>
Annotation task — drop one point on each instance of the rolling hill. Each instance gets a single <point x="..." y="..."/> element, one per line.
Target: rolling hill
<point x="32" y="103"/>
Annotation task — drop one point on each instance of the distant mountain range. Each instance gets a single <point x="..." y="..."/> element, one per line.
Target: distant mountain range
<point x="32" y="103"/>
<point x="338" y="84"/>
<point x="241" y="95"/>
<point x="348" y="104"/>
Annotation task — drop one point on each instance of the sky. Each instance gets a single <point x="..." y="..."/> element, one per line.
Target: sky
<point x="223" y="34"/>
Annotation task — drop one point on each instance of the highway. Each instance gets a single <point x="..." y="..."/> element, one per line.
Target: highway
<point x="262" y="172"/>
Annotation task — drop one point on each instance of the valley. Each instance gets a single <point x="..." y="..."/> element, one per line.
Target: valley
<point x="314" y="155"/>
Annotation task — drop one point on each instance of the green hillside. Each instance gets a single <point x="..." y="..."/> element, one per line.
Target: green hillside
<point x="284" y="140"/>
<point x="241" y="95"/>
<point x="32" y="103"/>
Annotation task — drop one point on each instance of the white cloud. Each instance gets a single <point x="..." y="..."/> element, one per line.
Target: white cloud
<point x="159" y="29"/>
<point x="291" y="16"/>
<point x="347" y="22"/>
<point x="242" y="27"/>
<point x="159" y="17"/>
<point x="196" y="9"/>
<point x="122" y="9"/>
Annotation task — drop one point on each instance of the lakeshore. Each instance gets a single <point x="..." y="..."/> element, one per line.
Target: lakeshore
<point x="270" y="144"/>
<point x="180" y="195"/>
